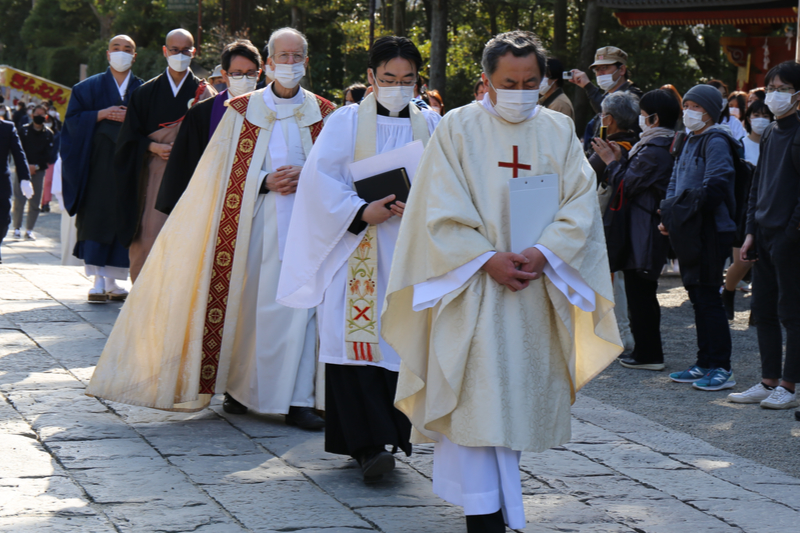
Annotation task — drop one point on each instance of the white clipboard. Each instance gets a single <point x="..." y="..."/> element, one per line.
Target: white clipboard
<point x="533" y="204"/>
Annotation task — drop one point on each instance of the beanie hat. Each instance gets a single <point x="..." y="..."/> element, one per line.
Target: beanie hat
<point x="707" y="97"/>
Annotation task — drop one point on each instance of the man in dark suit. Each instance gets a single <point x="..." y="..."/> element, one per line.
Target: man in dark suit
<point x="10" y="144"/>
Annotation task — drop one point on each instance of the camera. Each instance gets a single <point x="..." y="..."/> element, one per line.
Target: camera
<point x="567" y="75"/>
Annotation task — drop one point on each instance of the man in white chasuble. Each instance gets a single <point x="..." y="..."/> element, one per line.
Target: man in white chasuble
<point x="494" y="345"/>
<point x="202" y="319"/>
<point x="333" y="233"/>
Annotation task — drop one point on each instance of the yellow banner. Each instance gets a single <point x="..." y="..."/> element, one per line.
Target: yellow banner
<point x="36" y="87"/>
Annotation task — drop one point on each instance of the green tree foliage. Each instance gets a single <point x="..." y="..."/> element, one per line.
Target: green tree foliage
<point x="55" y="36"/>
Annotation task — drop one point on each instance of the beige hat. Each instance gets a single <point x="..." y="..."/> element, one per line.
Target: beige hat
<point x="608" y="55"/>
<point x="217" y="72"/>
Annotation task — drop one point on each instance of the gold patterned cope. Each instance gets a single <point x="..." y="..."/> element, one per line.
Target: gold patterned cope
<point x="361" y="333"/>
<point x="223" y="252"/>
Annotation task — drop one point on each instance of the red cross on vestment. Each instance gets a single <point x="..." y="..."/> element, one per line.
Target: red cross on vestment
<point x="516" y="165"/>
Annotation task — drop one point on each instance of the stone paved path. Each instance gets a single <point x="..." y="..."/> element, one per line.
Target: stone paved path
<point x="73" y="463"/>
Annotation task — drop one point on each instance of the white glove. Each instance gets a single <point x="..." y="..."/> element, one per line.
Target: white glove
<point x="27" y="188"/>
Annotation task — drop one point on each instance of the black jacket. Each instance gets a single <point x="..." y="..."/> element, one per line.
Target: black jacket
<point x="644" y="179"/>
<point x="596" y="95"/>
<point x="11" y="145"/>
<point x="37" y="145"/>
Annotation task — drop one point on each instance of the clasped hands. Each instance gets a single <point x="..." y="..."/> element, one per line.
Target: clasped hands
<point x="115" y="113"/>
<point x="283" y="180"/>
<point x="516" y="271"/>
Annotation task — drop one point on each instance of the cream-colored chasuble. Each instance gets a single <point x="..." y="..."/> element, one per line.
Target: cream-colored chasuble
<point x="154" y="354"/>
<point x="485" y="366"/>
<point x="319" y="246"/>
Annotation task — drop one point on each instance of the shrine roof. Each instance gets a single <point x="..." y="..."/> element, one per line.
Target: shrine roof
<point x="633" y="13"/>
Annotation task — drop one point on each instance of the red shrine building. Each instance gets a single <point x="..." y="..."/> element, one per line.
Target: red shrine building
<point x="753" y="54"/>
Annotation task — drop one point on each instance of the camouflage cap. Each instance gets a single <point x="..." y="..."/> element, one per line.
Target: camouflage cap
<point x="608" y="55"/>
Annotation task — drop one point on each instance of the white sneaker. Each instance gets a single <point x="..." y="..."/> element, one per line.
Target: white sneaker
<point x="17" y="234"/>
<point x="780" y="399"/>
<point x="755" y="394"/>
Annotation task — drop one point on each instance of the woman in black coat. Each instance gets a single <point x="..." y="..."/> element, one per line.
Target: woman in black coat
<point x="639" y="181"/>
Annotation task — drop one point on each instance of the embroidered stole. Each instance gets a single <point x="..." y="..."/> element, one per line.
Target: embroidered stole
<point x="229" y="227"/>
<point x="361" y="295"/>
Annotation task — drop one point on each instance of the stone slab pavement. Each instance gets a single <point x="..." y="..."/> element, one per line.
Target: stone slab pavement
<point x="73" y="463"/>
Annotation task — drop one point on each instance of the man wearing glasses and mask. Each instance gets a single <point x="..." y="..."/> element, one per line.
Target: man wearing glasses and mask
<point x="145" y="140"/>
<point x="240" y="71"/>
<point x="206" y="298"/>
<point x="332" y="231"/>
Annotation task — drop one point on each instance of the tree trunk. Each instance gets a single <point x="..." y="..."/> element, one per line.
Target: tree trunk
<point x="438" y="46"/>
<point x="105" y="20"/>
<point x="399" y="18"/>
<point x="491" y="9"/>
<point x="297" y="18"/>
<point x="560" y="29"/>
<point x="591" y="26"/>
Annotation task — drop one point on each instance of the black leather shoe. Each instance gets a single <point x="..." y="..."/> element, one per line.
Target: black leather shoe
<point x="376" y="463"/>
<point x="233" y="407"/>
<point x="630" y="362"/>
<point x="304" y="418"/>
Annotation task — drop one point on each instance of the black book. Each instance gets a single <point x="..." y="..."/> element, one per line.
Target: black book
<point x="382" y="185"/>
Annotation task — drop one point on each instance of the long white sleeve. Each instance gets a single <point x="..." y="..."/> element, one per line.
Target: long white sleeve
<point x="566" y="279"/>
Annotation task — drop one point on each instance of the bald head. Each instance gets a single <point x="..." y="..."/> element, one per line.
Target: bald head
<point x="179" y="38"/>
<point x="121" y="43"/>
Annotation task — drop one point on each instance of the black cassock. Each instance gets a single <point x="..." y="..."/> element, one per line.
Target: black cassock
<point x="360" y="412"/>
<point x="186" y="153"/>
<point x="151" y="106"/>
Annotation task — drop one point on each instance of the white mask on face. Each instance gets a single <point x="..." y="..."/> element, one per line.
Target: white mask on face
<point x="780" y="103"/>
<point x="759" y="124"/>
<point x="242" y="86"/>
<point x="693" y="120"/>
<point x="606" y="81"/>
<point x="643" y="125"/>
<point x="289" y="75"/>
<point x="395" y="99"/>
<point x="735" y="112"/>
<point x="120" y="61"/>
<point x="269" y="72"/>
<point x="179" y="62"/>
<point x="544" y="86"/>
<point x="515" y="105"/>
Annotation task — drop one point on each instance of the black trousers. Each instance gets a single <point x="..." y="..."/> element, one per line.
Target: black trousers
<point x="645" y="317"/>
<point x="5" y="206"/>
<point x="360" y="412"/>
<point x="776" y="301"/>
<point x="713" y="331"/>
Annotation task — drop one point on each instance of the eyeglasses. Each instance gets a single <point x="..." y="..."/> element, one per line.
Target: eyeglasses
<point x="286" y="56"/>
<point x="185" y="51"/>
<point x="250" y="75"/>
<point x="395" y="83"/>
<point x="785" y="89"/>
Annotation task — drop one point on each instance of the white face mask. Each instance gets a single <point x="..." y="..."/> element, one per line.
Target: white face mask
<point x="515" y="105"/>
<point x="735" y="112"/>
<point x="179" y="62"/>
<point x="269" y="72"/>
<point x="544" y="86"/>
<point x="693" y="120"/>
<point x="395" y="99"/>
<point x="759" y="124"/>
<point x="606" y="81"/>
<point x="242" y="86"/>
<point x="289" y="75"/>
<point x="643" y="125"/>
<point x="780" y="103"/>
<point x="120" y="61"/>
